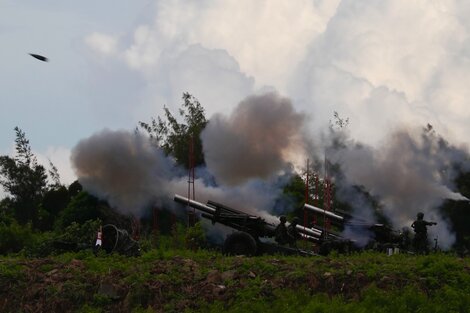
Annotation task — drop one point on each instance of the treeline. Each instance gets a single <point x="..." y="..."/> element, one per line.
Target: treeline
<point x="40" y="215"/>
<point x="41" y="211"/>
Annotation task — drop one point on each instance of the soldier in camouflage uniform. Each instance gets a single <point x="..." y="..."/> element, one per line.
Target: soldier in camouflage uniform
<point x="420" y="241"/>
<point x="292" y="232"/>
<point x="280" y="233"/>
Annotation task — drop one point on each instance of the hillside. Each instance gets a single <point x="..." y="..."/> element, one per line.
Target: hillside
<point x="184" y="281"/>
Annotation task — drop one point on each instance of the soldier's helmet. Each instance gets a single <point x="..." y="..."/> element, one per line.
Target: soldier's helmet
<point x="283" y="219"/>
<point x="420" y="215"/>
<point x="295" y="220"/>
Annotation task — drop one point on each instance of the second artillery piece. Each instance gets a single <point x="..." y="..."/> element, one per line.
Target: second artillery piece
<point x="250" y="229"/>
<point x="376" y="236"/>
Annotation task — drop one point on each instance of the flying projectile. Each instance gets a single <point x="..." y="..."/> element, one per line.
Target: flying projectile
<point x="39" y="57"/>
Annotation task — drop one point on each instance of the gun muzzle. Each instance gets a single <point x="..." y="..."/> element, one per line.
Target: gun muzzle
<point x="194" y="204"/>
<point x="308" y="231"/>
<point x="325" y="212"/>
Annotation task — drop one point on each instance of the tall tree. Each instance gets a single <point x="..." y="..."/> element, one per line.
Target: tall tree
<point x="175" y="137"/>
<point x="24" y="179"/>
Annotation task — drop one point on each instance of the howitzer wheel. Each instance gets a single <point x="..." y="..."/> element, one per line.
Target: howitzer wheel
<point x="110" y="238"/>
<point x="240" y="243"/>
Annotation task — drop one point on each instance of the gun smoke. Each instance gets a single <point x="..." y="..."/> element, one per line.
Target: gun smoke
<point x="408" y="173"/>
<point x="122" y="168"/>
<point x="258" y="140"/>
<point x="133" y="175"/>
<point x="249" y="154"/>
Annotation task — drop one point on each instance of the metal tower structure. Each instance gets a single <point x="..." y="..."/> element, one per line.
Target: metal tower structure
<point x="306" y="196"/>
<point x="191" y="178"/>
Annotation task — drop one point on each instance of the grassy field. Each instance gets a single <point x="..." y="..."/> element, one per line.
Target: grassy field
<point x="206" y="281"/>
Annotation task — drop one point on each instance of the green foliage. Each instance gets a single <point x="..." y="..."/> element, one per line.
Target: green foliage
<point x="24" y="179"/>
<point x="179" y="281"/>
<point x="6" y="212"/>
<point x="82" y="207"/>
<point x="11" y="272"/>
<point x="175" y="137"/>
<point x="295" y="191"/>
<point x="14" y="237"/>
<point x="75" y="188"/>
<point x="195" y="237"/>
<point x="142" y="310"/>
<point x="89" y="309"/>
<point x="81" y="233"/>
<point x="373" y="300"/>
<point x="54" y="201"/>
<point x="73" y="238"/>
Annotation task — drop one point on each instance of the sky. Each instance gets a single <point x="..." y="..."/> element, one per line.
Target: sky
<point x="382" y="64"/>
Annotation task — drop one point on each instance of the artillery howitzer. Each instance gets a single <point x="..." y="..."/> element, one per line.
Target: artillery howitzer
<point x="250" y="229"/>
<point x="380" y="236"/>
<point x="246" y="240"/>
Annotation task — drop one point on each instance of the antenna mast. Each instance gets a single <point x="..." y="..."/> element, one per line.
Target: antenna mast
<point x="306" y="197"/>
<point x="191" y="189"/>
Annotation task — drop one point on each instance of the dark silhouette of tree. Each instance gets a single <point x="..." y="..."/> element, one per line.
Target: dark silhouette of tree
<point x="74" y="188"/>
<point x="24" y="179"/>
<point x="54" y="176"/>
<point x="339" y="122"/>
<point x="175" y="137"/>
<point x="55" y="200"/>
<point x="81" y="208"/>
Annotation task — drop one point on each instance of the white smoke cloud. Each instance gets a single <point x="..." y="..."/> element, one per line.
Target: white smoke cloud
<point x="383" y="63"/>
<point x="212" y="75"/>
<point x="378" y="62"/>
<point x="218" y="51"/>
<point x="386" y="65"/>
<point x="409" y="173"/>
<point x="102" y="43"/>
<point x="251" y="32"/>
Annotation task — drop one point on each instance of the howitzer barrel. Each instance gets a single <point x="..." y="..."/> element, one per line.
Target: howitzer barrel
<point x="194" y="204"/>
<point x="325" y="212"/>
<point x="308" y="231"/>
<point x="310" y="238"/>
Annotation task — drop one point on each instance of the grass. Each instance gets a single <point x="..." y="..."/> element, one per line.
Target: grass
<point x="205" y="281"/>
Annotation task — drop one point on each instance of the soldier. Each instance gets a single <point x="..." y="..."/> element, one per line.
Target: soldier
<point x="292" y="232"/>
<point x="280" y="233"/>
<point x="405" y="242"/>
<point x="421" y="233"/>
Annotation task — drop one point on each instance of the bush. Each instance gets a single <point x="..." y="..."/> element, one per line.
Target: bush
<point x="195" y="237"/>
<point x="14" y="237"/>
<point x="82" y="207"/>
<point x="75" y="237"/>
<point x="54" y="201"/>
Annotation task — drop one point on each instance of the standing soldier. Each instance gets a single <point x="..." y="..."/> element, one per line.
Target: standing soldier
<point x="280" y="233"/>
<point x="292" y="232"/>
<point x="421" y="233"/>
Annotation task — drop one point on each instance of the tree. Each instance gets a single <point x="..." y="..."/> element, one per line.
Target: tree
<point x="24" y="179"/>
<point x="175" y="137"/>
<point x="81" y="208"/>
<point x="54" y="201"/>
<point x="55" y="177"/>
<point x="339" y="122"/>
